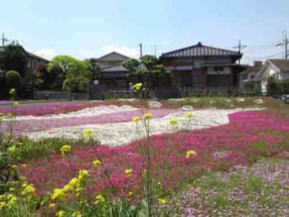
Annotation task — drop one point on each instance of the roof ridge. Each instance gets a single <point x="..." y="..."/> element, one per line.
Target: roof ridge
<point x="113" y="52"/>
<point x="200" y="45"/>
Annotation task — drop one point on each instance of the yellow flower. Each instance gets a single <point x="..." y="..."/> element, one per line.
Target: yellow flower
<point x="10" y="114"/>
<point x="189" y="114"/>
<point x="99" y="199"/>
<point x="173" y="122"/>
<point x="130" y="193"/>
<point x="191" y="153"/>
<point x="12" y="91"/>
<point x="65" y="149"/>
<point x="57" y="193"/>
<point x="162" y="201"/>
<point x="23" y="165"/>
<point x="87" y="132"/>
<point x="137" y="86"/>
<point x="147" y="115"/>
<point x="51" y="205"/>
<point x="82" y="174"/>
<point x="28" y="189"/>
<point x="96" y="163"/>
<point x="2" y="204"/>
<point x="12" y="200"/>
<point x="128" y="172"/>
<point x="76" y="214"/>
<point x="60" y="213"/>
<point x="11" y="149"/>
<point x="15" y="104"/>
<point x="136" y="119"/>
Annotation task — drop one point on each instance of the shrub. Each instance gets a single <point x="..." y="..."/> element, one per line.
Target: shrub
<point x="13" y="79"/>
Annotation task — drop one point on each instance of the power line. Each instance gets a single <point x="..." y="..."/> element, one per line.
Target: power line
<point x="273" y="55"/>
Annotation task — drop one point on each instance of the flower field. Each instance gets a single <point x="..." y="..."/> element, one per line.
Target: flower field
<point x="120" y="159"/>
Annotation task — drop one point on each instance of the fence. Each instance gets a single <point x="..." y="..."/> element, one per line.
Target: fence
<point x="59" y="95"/>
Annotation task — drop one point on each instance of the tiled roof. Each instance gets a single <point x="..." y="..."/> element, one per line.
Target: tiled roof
<point x="282" y="64"/>
<point x="116" y="68"/>
<point x="113" y="56"/>
<point x="28" y="54"/>
<point x="200" y="50"/>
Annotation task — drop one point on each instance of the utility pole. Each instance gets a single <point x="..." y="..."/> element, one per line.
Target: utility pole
<point x="140" y="50"/>
<point x="240" y="47"/>
<point x="4" y="40"/>
<point x="156" y="50"/>
<point x="285" y="44"/>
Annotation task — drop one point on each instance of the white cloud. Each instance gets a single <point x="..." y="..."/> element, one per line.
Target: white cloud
<point x="131" y="52"/>
<point x="45" y="53"/>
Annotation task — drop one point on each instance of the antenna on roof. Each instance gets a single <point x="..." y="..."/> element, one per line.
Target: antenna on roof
<point x="4" y="39"/>
<point x="284" y="43"/>
<point x="240" y="47"/>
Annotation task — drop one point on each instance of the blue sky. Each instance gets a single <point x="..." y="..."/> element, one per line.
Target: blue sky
<point x="91" y="28"/>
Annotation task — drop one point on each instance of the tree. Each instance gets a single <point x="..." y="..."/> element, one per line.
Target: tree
<point x="147" y="70"/>
<point x="72" y="73"/>
<point x="14" y="58"/>
<point x="76" y="78"/>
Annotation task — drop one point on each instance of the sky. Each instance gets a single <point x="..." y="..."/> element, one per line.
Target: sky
<point x="92" y="28"/>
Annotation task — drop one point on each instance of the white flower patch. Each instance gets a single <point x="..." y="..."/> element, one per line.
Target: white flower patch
<point x="116" y="134"/>
<point x="99" y="110"/>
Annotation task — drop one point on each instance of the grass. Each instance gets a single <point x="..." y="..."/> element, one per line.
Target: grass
<point x="237" y="193"/>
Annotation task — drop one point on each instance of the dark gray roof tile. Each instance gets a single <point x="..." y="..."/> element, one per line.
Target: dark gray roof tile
<point x="200" y="50"/>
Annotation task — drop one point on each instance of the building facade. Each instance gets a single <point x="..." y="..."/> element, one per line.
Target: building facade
<point x="113" y="76"/>
<point x="272" y="68"/>
<point x="203" y="67"/>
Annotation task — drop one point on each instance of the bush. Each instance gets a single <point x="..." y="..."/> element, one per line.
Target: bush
<point x="13" y="79"/>
<point x="277" y="88"/>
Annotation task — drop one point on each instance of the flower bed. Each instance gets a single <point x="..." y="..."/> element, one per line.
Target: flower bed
<point x="248" y="135"/>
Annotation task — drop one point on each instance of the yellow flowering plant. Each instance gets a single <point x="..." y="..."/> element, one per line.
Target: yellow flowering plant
<point x="147" y="116"/>
<point x="137" y="86"/>
<point x="96" y="163"/>
<point x="128" y="172"/>
<point x="65" y="149"/>
<point x="173" y="122"/>
<point x="191" y="153"/>
<point x="87" y="132"/>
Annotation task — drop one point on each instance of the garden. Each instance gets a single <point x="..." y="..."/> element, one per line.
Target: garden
<point x="200" y="156"/>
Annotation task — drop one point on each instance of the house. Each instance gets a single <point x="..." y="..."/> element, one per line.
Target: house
<point x="33" y="62"/>
<point x="276" y="68"/>
<point x="113" y="76"/>
<point x="249" y="73"/>
<point x="203" y="67"/>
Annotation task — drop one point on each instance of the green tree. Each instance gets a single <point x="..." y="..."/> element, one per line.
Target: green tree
<point x="72" y="73"/>
<point x="147" y="70"/>
<point x="76" y="78"/>
<point x="14" y="58"/>
<point x="13" y="79"/>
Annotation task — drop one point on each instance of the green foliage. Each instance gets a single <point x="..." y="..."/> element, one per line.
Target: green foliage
<point x="72" y="73"/>
<point x="13" y="79"/>
<point x="255" y="184"/>
<point x="14" y="58"/>
<point x="221" y="200"/>
<point x="278" y="87"/>
<point x="146" y="70"/>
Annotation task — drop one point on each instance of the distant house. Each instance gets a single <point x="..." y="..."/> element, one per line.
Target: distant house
<point x="249" y="73"/>
<point x="276" y="68"/>
<point x="202" y="67"/>
<point x="33" y="63"/>
<point x="113" y="74"/>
